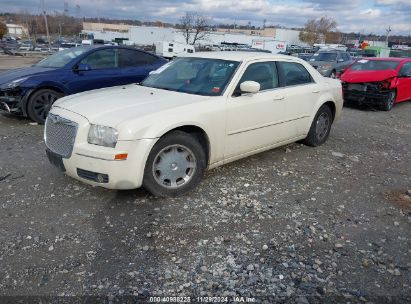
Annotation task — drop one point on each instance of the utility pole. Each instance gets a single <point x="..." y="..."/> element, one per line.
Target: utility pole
<point x="45" y="21"/>
<point x="388" y="30"/>
<point x="77" y="11"/>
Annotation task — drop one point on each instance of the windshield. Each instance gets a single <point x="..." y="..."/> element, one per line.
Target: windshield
<point x="61" y="58"/>
<point x="324" y="57"/>
<point x="374" y="65"/>
<point x="200" y="76"/>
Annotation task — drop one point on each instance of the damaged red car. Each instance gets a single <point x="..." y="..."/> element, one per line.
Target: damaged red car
<point x="380" y="82"/>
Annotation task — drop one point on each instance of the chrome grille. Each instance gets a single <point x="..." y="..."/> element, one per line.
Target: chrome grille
<point x="60" y="134"/>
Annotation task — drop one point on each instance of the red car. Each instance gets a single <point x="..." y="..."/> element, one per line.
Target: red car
<point x="377" y="81"/>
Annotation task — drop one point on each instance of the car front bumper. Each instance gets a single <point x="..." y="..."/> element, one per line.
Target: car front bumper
<point x="86" y="164"/>
<point x="364" y="95"/>
<point x="12" y="101"/>
<point x="96" y="165"/>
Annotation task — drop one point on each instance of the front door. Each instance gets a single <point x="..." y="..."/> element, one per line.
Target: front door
<point x="404" y="83"/>
<point x="103" y="71"/>
<point x="255" y="121"/>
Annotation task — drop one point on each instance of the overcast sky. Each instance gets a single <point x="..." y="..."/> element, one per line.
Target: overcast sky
<point x="352" y="15"/>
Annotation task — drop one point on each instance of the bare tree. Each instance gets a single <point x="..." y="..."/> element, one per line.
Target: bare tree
<point x="316" y="30"/>
<point x="194" y="27"/>
<point x="3" y="30"/>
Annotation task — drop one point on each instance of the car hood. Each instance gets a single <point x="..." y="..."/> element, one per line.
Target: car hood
<point x="320" y="63"/>
<point x="367" y="76"/>
<point x="112" y="106"/>
<point x="11" y="75"/>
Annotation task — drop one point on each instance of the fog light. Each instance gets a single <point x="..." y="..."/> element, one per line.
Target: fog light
<point x="100" y="178"/>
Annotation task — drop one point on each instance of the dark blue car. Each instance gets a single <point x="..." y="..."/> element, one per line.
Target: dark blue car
<point x="31" y="91"/>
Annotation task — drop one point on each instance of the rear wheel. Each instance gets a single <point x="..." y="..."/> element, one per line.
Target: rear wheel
<point x="389" y="102"/>
<point x="320" y="127"/>
<point x="176" y="165"/>
<point x="40" y="104"/>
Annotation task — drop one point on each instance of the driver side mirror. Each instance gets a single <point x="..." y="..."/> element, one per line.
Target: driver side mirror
<point x="82" y="67"/>
<point x="250" y="87"/>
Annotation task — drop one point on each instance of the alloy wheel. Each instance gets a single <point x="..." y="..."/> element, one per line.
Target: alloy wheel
<point x="42" y="104"/>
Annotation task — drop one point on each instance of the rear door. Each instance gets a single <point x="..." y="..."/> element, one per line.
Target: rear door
<point x="300" y="97"/>
<point x="404" y="83"/>
<point x="135" y="65"/>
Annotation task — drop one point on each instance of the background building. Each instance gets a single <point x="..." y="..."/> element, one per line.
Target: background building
<point x="147" y="35"/>
<point x="16" y="30"/>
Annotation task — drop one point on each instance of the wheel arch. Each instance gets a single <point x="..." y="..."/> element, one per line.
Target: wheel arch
<point x="190" y="128"/>
<point x="30" y="93"/>
<point x="331" y="105"/>
<point x="199" y="133"/>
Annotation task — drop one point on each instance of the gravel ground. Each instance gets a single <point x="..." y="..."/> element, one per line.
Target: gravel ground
<point x="292" y="224"/>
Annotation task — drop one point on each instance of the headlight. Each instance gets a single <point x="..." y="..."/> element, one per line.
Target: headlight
<point x="325" y="67"/>
<point x="102" y="136"/>
<point x="15" y="83"/>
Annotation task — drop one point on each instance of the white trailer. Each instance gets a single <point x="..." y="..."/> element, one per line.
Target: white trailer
<point x="274" y="46"/>
<point x="172" y="49"/>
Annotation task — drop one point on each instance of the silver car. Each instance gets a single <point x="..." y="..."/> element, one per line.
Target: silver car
<point x="330" y="63"/>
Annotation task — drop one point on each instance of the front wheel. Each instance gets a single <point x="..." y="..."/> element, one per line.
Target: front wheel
<point x="40" y="104"/>
<point x="175" y="165"/>
<point x="320" y="127"/>
<point x="389" y="102"/>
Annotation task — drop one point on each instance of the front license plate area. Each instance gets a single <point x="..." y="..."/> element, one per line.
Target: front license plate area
<point x="55" y="160"/>
<point x="358" y="87"/>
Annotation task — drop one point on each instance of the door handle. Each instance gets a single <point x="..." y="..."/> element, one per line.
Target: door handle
<point x="278" y="98"/>
<point x="316" y="91"/>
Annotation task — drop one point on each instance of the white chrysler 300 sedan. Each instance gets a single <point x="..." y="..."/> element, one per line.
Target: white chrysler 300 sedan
<point x="196" y="112"/>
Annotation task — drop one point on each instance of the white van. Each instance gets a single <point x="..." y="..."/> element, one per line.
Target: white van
<point x="172" y="49"/>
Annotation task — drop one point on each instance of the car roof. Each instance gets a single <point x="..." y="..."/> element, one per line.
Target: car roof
<point x="239" y="56"/>
<point x="88" y="48"/>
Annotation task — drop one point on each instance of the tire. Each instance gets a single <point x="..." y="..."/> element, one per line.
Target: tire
<point x="320" y="127"/>
<point x="40" y="103"/>
<point x="389" y="102"/>
<point x="175" y="165"/>
<point x="333" y="74"/>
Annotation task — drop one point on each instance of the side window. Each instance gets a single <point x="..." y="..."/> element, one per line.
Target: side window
<point x="131" y="58"/>
<point x="102" y="59"/>
<point x="294" y="73"/>
<point x="406" y="68"/>
<point x="265" y="73"/>
<point x="346" y="57"/>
